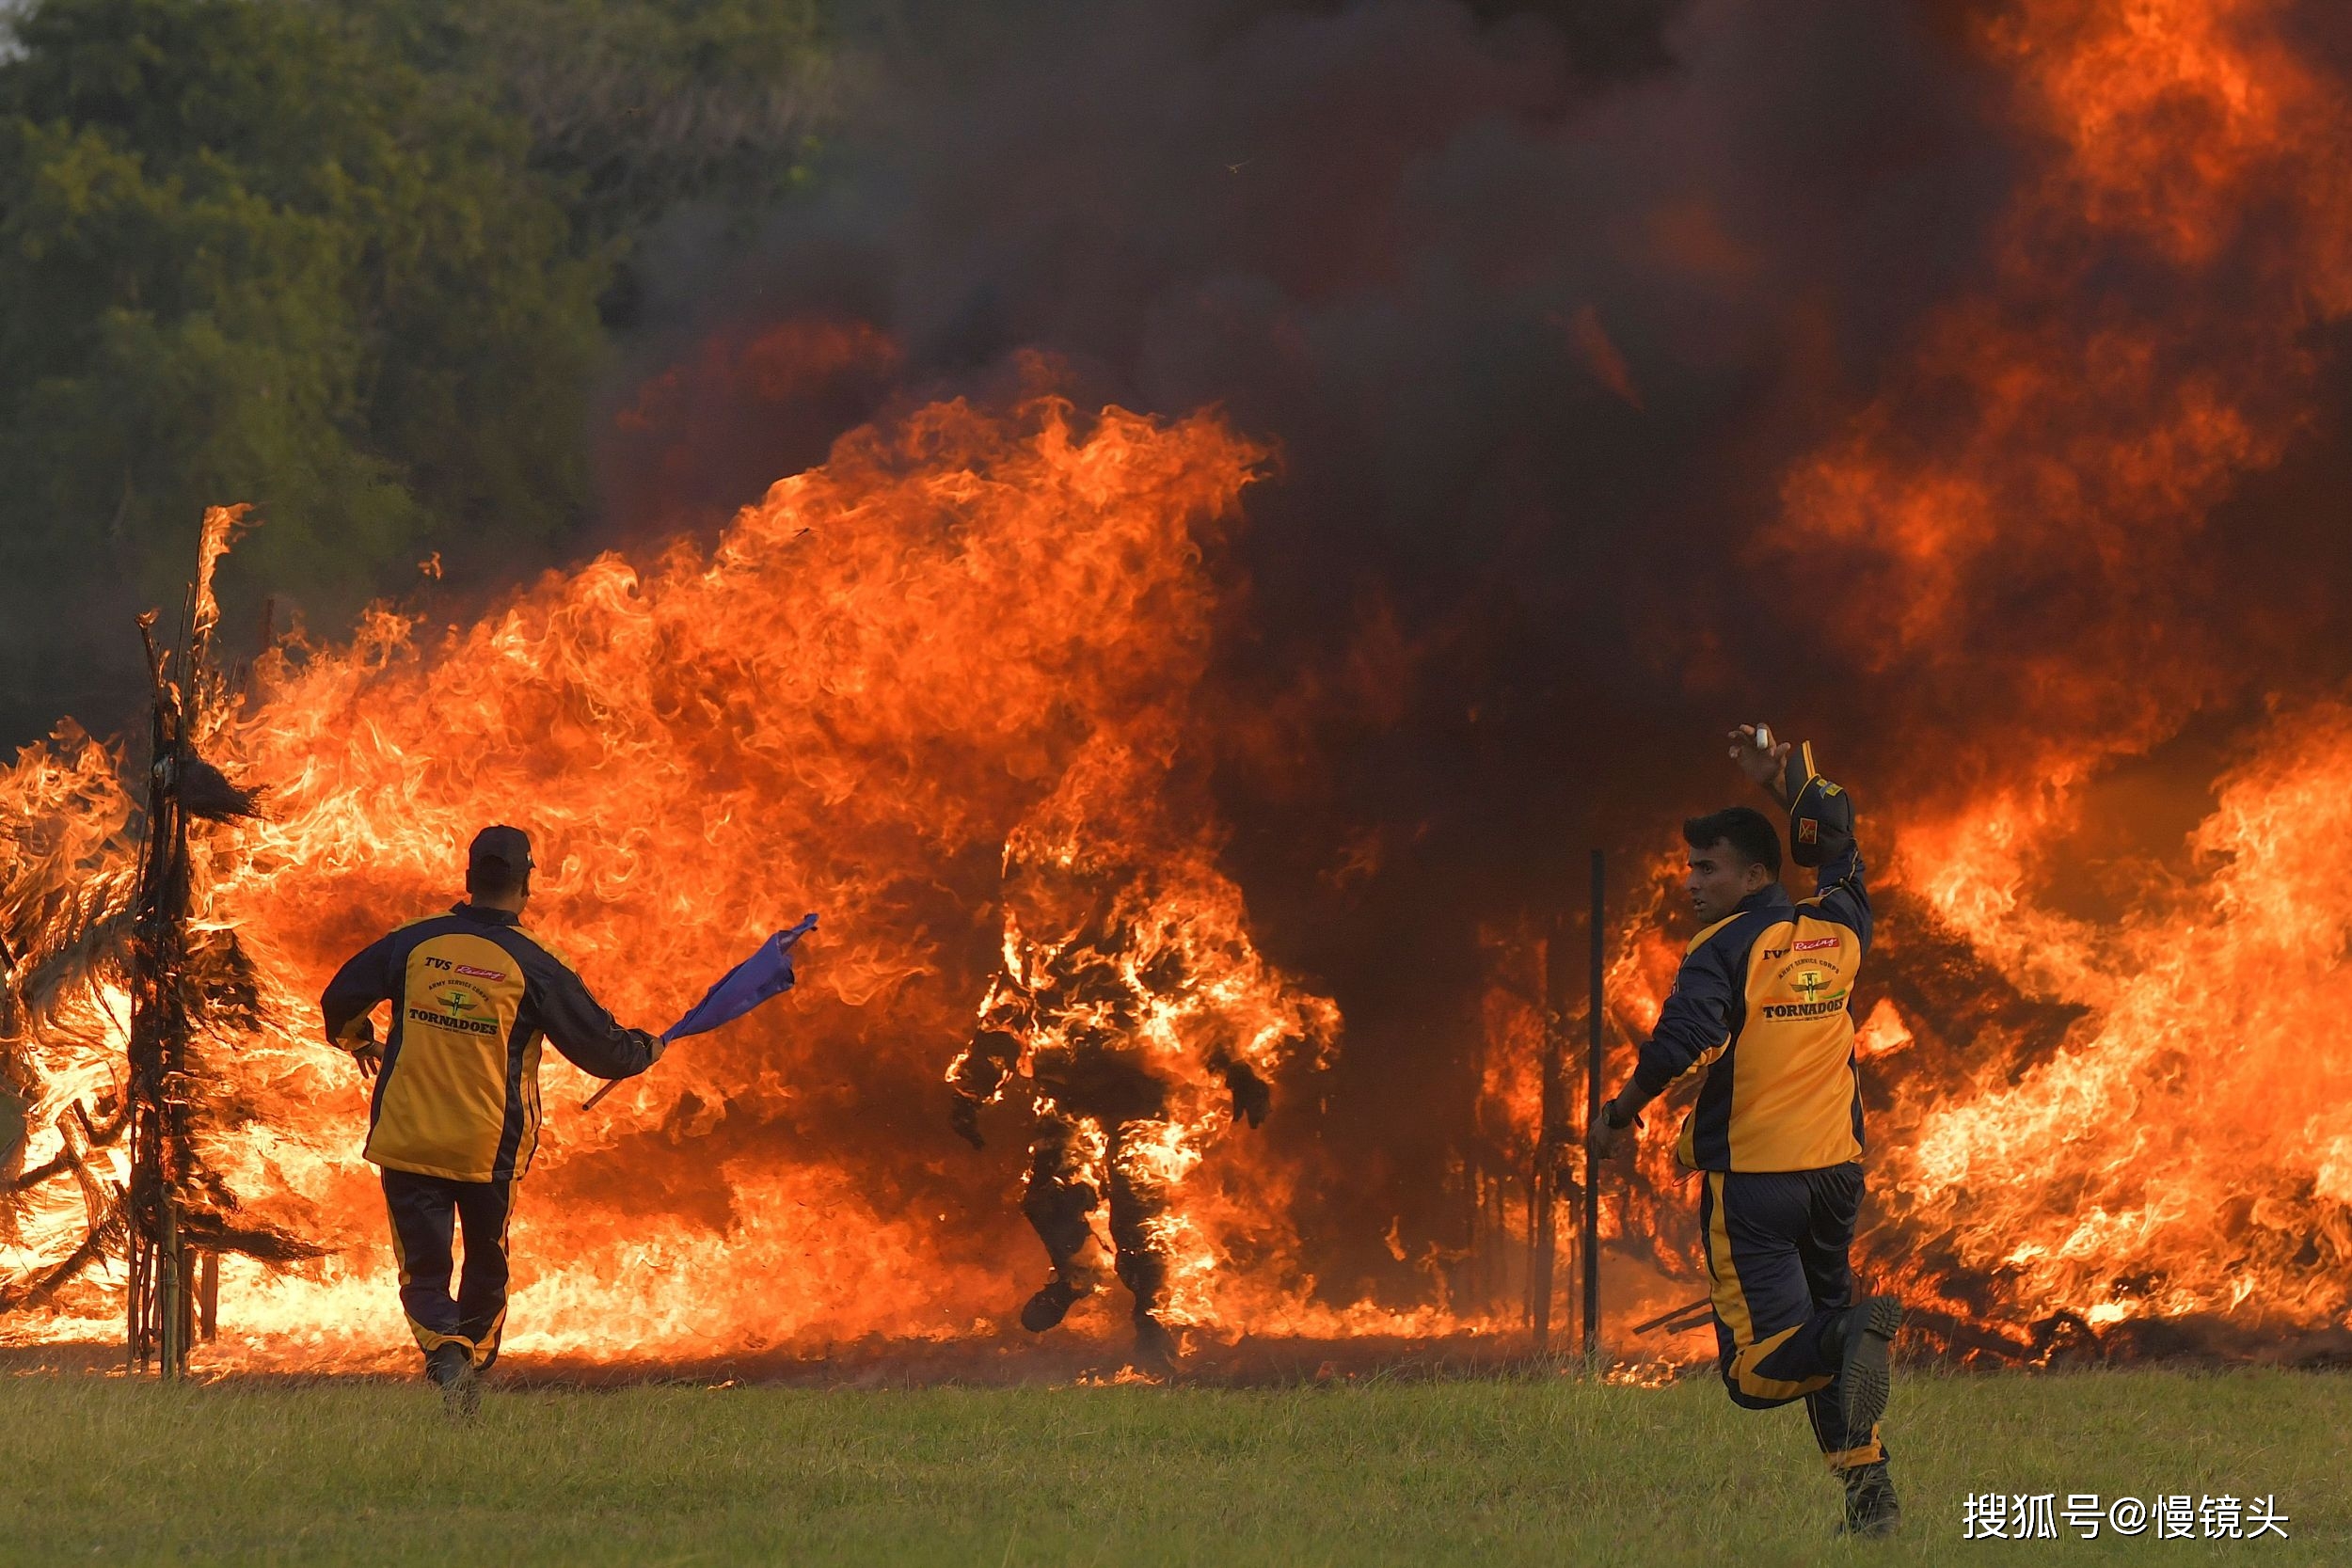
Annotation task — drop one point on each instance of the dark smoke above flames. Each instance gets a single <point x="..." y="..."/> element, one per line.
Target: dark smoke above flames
<point x="1630" y="369"/>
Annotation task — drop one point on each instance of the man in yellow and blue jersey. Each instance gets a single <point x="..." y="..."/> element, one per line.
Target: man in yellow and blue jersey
<point x="455" y="1118"/>
<point x="1761" y="1010"/>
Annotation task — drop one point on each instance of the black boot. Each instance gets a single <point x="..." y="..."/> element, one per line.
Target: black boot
<point x="1155" y="1347"/>
<point x="1049" y="1305"/>
<point x="1870" y="1506"/>
<point x="1863" y="1344"/>
<point x="451" y="1367"/>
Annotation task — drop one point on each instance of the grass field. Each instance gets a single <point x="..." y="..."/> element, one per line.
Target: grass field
<point x="1504" y="1471"/>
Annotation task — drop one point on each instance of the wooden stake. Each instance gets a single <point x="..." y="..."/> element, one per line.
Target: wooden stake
<point x="208" y="1297"/>
<point x="162" y="1305"/>
<point x="171" y="1348"/>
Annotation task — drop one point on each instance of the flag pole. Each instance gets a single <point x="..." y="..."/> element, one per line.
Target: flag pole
<point x="767" y="973"/>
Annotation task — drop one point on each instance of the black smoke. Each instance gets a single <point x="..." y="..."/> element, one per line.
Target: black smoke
<point x="1533" y="303"/>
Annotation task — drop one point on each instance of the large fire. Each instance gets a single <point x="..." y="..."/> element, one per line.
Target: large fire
<point x="2117" y="1126"/>
<point x="965" y="631"/>
<point x="977" y="636"/>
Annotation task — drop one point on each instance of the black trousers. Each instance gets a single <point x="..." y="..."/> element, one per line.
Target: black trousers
<point x="425" y="1211"/>
<point x="1776" y="1260"/>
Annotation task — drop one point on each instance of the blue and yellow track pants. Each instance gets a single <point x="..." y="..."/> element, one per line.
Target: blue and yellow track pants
<point x="1777" y="1258"/>
<point x="425" y="1211"/>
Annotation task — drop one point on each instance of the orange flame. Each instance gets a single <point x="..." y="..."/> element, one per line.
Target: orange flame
<point x="882" y="674"/>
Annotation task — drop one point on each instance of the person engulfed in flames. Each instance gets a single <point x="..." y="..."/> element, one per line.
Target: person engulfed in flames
<point x="1133" y="1000"/>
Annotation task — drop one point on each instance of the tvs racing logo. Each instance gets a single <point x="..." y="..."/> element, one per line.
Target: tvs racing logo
<point x="1812" y="944"/>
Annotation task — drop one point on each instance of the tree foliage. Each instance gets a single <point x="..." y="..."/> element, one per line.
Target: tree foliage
<point x="638" y="106"/>
<point x="343" y="262"/>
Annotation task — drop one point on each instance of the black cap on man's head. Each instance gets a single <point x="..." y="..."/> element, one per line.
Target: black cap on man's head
<point x="501" y="851"/>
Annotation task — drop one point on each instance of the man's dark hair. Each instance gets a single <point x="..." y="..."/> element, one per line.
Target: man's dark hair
<point x="1749" y="831"/>
<point x="494" y="879"/>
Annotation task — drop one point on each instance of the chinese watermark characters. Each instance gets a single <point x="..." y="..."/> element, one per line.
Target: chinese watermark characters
<point x="2165" y="1516"/>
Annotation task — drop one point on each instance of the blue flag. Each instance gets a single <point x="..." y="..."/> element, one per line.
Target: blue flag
<point x="766" y="972"/>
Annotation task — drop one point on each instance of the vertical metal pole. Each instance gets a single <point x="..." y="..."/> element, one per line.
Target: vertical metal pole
<point x="1592" y="1114"/>
<point x="1541" y="1231"/>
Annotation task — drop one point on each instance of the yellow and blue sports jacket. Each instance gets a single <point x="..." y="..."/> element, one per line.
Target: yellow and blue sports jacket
<point x="472" y="994"/>
<point x="1762" y="1006"/>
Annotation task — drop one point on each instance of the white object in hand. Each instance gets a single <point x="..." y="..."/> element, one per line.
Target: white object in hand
<point x="1763" y="737"/>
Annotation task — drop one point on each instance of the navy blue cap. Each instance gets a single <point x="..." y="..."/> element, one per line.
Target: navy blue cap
<point x="507" y="848"/>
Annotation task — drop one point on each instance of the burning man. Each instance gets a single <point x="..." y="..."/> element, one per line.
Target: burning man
<point x="1070" y="1008"/>
<point x="455" y="1118"/>
<point x="1761" y="1004"/>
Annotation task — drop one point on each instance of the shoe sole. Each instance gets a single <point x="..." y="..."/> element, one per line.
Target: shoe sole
<point x="1034" y="1317"/>
<point x="1866" y="1379"/>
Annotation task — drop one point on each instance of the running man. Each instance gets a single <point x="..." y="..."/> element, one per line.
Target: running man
<point x="1761" y="1007"/>
<point x="455" y="1118"/>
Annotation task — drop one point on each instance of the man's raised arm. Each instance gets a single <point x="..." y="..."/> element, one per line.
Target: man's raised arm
<point x="1820" y="834"/>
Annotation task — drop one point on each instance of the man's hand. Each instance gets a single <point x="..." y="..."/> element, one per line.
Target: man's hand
<point x="660" y="1048"/>
<point x="359" y="1038"/>
<point x="1604" y="1139"/>
<point x="964" y="1115"/>
<point x="1762" y="764"/>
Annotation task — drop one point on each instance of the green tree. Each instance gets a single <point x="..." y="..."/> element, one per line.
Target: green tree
<point x="248" y="253"/>
<point x="355" y="262"/>
<point x="637" y="106"/>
